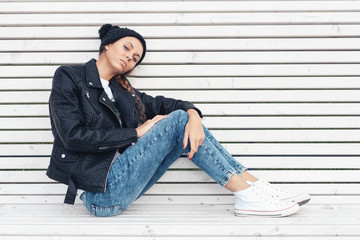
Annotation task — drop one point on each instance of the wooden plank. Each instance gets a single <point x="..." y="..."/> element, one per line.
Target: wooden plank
<point x="183" y="189"/>
<point x="167" y="237"/>
<point x="212" y="123"/>
<point x="268" y="18"/>
<point x="281" y="162"/>
<point x="184" y="227"/>
<point x="191" y="212"/>
<point x="226" y="31"/>
<point x="281" y="109"/>
<point x="213" y="6"/>
<point x="298" y="176"/>
<point x="228" y="70"/>
<point x="32" y="39"/>
<point x="351" y="95"/>
<point x="26" y="83"/>
<point x="172" y="237"/>
<point x="220" y="109"/>
<point x="243" y="82"/>
<point x="275" y="122"/>
<point x="204" y="83"/>
<point x="60" y="58"/>
<point x="25" y="123"/>
<point x="233" y="136"/>
<point x="24" y="110"/>
<point x="174" y="199"/>
<point x="244" y="149"/>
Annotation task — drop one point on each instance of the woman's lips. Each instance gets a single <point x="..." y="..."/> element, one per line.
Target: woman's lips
<point x="124" y="63"/>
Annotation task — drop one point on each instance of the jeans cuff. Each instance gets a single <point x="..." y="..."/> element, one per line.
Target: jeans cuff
<point x="227" y="177"/>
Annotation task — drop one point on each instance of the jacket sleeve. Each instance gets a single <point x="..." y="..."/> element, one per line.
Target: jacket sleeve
<point x="68" y="119"/>
<point x="162" y="105"/>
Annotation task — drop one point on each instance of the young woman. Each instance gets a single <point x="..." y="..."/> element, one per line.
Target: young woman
<point x="115" y="142"/>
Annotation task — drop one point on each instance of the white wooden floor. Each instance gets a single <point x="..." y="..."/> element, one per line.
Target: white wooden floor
<point x="323" y="217"/>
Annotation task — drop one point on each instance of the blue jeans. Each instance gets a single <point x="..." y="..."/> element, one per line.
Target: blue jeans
<point x="140" y="166"/>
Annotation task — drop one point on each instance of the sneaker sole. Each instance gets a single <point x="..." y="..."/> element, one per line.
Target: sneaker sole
<point x="279" y="213"/>
<point x="304" y="202"/>
<point x="300" y="199"/>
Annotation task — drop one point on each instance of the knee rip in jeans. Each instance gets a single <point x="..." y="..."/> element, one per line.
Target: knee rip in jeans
<point x="106" y="211"/>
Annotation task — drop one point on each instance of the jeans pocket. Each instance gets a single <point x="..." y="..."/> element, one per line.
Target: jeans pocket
<point x="106" y="211"/>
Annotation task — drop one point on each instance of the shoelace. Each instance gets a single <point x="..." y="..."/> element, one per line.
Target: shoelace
<point x="276" y="189"/>
<point x="267" y="198"/>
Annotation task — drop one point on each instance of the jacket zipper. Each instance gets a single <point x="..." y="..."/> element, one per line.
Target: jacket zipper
<point x="101" y="148"/>
<point x="113" y="113"/>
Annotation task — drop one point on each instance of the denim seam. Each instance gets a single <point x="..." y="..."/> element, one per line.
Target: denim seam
<point x="241" y="168"/>
<point x="228" y="172"/>
<point x="161" y="134"/>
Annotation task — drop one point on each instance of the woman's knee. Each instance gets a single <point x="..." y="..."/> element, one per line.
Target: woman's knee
<point x="180" y="115"/>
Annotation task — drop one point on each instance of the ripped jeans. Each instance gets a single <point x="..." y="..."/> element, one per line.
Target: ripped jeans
<point x="141" y="165"/>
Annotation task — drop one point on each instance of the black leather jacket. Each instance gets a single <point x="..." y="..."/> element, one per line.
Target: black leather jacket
<point x="87" y="132"/>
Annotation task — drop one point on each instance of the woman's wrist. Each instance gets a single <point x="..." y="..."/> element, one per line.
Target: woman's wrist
<point x="192" y="113"/>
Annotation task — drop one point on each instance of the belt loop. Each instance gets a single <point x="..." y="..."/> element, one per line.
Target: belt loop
<point x="71" y="192"/>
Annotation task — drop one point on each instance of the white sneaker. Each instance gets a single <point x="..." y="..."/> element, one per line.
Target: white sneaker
<point x="283" y="195"/>
<point x="253" y="202"/>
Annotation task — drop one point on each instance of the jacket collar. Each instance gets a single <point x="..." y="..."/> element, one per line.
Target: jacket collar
<point x="92" y="74"/>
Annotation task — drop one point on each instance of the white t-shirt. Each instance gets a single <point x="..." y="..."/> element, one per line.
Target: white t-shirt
<point x="105" y="85"/>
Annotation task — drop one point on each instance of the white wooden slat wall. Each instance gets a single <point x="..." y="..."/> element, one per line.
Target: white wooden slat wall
<point x="277" y="81"/>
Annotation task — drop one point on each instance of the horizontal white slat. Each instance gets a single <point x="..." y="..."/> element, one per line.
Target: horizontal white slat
<point x="167" y="237"/>
<point x="174" y="199"/>
<point x="328" y="162"/>
<point x="25" y="123"/>
<point x="217" y="122"/>
<point x="24" y="110"/>
<point x="180" y="221"/>
<point x="204" y="83"/>
<point x="226" y="31"/>
<point x="61" y="19"/>
<point x="244" y="70"/>
<point x="199" y="6"/>
<point x="278" y="109"/>
<point x="219" y="109"/>
<point x="141" y="214"/>
<point x="253" y="136"/>
<point x="179" y="188"/>
<point x="206" y="70"/>
<point x="211" y="95"/>
<point x="261" y="95"/>
<point x="12" y="212"/>
<point x="181" y="228"/>
<point x="303" y="149"/>
<point x="191" y="57"/>
<point x="298" y="176"/>
<point x="243" y="82"/>
<point x="277" y="122"/>
<point x="35" y="42"/>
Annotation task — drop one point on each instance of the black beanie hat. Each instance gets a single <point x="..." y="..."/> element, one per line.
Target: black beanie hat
<point x="109" y="34"/>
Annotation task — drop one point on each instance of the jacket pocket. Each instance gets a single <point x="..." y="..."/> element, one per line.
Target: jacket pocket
<point x="64" y="155"/>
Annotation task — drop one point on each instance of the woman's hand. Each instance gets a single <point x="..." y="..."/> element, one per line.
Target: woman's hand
<point x="194" y="132"/>
<point x="148" y="124"/>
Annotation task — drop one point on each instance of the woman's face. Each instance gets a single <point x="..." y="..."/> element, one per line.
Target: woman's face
<point x="123" y="54"/>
